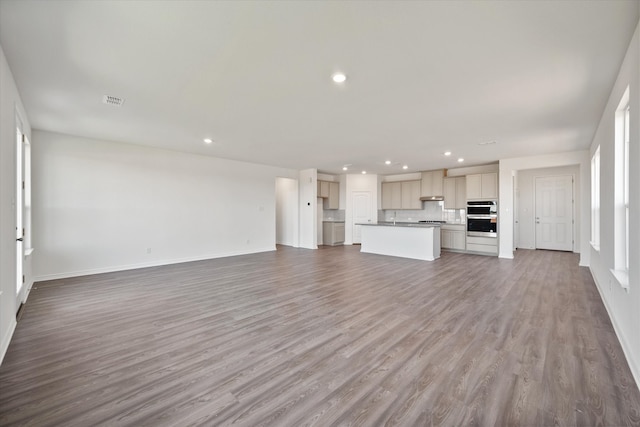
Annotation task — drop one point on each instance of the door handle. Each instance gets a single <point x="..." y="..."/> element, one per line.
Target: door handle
<point x="20" y="239"/>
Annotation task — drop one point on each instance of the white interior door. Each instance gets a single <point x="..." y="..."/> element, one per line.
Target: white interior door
<point x="554" y="212"/>
<point x="361" y="212"/>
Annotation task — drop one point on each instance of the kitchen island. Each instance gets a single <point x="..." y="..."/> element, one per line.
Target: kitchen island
<point x="407" y="240"/>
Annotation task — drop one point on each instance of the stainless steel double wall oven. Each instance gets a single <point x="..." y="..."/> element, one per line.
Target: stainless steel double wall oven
<point x="482" y="218"/>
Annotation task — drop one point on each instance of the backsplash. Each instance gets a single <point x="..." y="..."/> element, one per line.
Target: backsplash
<point x="333" y="215"/>
<point x="432" y="211"/>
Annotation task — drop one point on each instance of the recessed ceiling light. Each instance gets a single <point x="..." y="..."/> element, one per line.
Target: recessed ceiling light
<point x="339" y="78"/>
<point x="460" y="160"/>
<point x="364" y="172"/>
<point x="405" y="167"/>
<point x="387" y="162"/>
<point x="344" y="168"/>
<point x="447" y="153"/>
<point x="208" y="140"/>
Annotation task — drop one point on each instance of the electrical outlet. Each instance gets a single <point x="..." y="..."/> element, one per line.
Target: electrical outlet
<point x="248" y="241"/>
<point x="148" y="250"/>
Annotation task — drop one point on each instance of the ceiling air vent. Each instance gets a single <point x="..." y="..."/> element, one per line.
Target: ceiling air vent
<point x="112" y="100"/>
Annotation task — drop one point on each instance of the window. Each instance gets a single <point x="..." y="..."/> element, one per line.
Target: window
<point x="595" y="199"/>
<point x="626" y="186"/>
<point x="621" y="191"/>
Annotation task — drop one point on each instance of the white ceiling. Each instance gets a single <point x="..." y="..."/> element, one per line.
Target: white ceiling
<point x="423" y="77"/>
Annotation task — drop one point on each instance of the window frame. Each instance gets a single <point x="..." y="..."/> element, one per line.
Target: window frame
<point x="595" y="199"/>
<point x="621" y="224"/>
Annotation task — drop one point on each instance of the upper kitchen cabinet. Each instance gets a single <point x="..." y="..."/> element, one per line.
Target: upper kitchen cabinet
<point x="482" y="186"/>
<point x="455" y="192"/>
<point x="432" y="182"/>
<point x="411" y="195"/>
<point x="401" y="195"/>
<point x="330" y="192"/>
<point x="391" y="195"/>
<point x="323" y="189"/>
<point x="333" y="201"/>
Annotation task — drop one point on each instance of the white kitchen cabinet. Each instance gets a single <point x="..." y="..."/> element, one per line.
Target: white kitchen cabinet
<point x="401" y="195"/>
<point x="455" y="192"/>
<point x="432" y="183"/>
<point x="482" y="186"/>
<point x="453" y="237"/>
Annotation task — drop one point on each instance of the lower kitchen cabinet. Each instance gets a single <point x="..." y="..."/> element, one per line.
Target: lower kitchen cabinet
<point x="453" y="237"/>
<point x="332" y="233"/>
<point x="485" y="245"/>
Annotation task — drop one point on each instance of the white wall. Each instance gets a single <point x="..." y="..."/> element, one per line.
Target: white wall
<point x="10" y="103"/>
<point x="509" y="169"/>
<point x="525" y="189"/>
<point x="359" y="182"/>
<point x="287" y="211"/>
<point x="623" y="306"/>
<point x="308" y="185"/>
<point x="104" y="206"/>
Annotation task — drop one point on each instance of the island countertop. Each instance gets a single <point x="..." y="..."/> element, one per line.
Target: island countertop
<point x="407" y="240"/>
<point x="402" y="224"/>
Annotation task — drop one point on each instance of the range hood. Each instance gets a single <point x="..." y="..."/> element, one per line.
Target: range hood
<point x="432" y="198"/>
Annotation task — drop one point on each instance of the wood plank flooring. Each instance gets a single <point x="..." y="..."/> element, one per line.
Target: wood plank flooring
<point x="321" y="338"/>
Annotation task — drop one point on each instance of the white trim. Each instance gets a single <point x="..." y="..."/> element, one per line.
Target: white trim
<point x="622" y="277"/>
<point x="23" y="295"/>
<point x="626" y="348"/>
<point x="112" y="269"/>
<point x="28" y="251"/>
<point x="506" y="255"/>
<point x="6" y="340"/>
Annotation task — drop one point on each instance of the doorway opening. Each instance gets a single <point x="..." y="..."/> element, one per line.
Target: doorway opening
<point x="287" y="217"/>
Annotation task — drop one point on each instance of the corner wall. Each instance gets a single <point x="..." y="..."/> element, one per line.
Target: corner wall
<point x="623" y="306"/>
<point x="308" y="184"/>
<point x="103" y="206"/>
<point x="10" y="104"/>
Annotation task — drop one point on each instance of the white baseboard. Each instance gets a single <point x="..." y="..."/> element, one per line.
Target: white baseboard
<point x="24" y="292"/>
<point x="626" y="349"/>
<point x="506" y="255"/>
<point x="111" y="269"/>
<point x="6" y="339"/>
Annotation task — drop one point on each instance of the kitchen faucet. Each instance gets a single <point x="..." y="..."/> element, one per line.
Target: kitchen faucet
<point x="395" y="213"/>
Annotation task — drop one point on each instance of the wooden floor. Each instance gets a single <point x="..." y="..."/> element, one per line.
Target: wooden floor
<point x="328" y="337"/>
